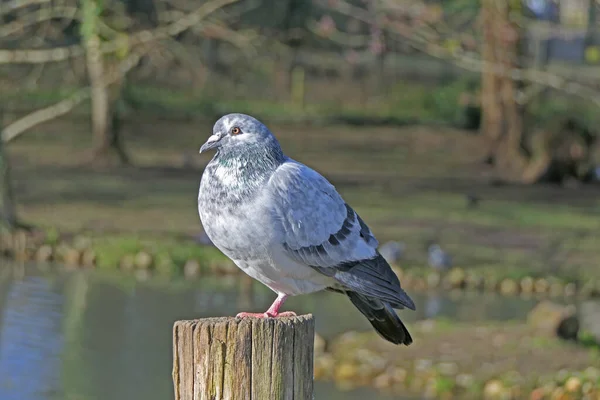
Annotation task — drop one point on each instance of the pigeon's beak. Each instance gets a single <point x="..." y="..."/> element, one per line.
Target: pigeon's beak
<point x="211" y="143"/>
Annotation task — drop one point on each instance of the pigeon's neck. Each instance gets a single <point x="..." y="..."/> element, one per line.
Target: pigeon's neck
<point x="248" y="170"/>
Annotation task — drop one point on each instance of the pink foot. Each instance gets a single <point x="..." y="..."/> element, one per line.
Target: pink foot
<point x="272" y="312"/>
<point x="266" y="314"/>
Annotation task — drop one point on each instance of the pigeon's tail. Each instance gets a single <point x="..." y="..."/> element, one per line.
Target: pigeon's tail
<point x="383" y="318"/>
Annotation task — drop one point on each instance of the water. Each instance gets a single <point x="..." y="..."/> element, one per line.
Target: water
<point x="87" y="336"/>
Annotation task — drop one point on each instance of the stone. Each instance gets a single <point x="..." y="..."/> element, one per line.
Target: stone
<point x="72" y="257"/>
<point x="456" y="278"/>
<point x="537" y="394"/>
<point x="573" y="384"/>
<point x="345" y="372"/>
<point x="509" y="287"/>
<point x="493" y="389"/>
<point x="143" y="260"/>
<point x="541" y="285"/>
<point x="88" y="258"/>
<point x="44" y="253"/>
<point x="191" y="269"/>
<point x="554" y="320"/>
<point x="324" y="366"/>
<point x="527" y="285"/>
<point x="383" y="381"/>
<point x="399" y="375"/>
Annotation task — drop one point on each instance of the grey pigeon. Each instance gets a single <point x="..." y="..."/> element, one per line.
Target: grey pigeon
<point x="392" y="251"/>
<point x="286" y="226"/>
<point x="438" y="258"/>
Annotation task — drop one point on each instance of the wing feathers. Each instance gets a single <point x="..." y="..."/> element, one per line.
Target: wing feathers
<point x="372" y="278"/>
<point x="383" y="318"/>
<point x="325" y="253"/>
<point x="318" y="229"/>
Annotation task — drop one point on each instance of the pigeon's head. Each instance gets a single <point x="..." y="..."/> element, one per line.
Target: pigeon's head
<point x="239" y="133"/>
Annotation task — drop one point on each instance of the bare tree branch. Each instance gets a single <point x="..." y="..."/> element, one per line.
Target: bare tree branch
<point x="64" y="106"/>
<point x="33" y="18"/>
<point x="471" y="61"/>
<point x="36" y="56"/>
<point x="9" y="6"/>
<point x="241" y="39"/>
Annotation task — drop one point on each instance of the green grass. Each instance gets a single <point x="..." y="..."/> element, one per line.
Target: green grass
<point x="405" y="103"/>
<point x="111" y="248"/>
<point x="451" y="207"/>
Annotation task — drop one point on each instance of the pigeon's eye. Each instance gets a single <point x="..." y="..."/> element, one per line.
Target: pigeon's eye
<point x="235" y="130"/>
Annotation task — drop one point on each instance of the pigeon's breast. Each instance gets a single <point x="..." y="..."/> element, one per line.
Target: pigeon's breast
<point x="238" y="237"/>
<point x="237" y="225"/>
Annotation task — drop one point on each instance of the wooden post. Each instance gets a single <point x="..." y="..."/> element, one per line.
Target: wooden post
<point x="244" y="359"/>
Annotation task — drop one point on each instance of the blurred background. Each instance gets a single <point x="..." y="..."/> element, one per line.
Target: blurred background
<point x="464" y="132"/>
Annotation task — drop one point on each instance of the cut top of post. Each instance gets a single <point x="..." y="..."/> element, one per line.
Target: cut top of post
<point x="244" y="359"/>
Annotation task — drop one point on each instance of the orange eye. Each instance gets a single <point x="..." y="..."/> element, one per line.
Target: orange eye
<point x="235" y="130"/>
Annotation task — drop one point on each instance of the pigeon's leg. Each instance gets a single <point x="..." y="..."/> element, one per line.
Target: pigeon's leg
<point x="272" y="312"/>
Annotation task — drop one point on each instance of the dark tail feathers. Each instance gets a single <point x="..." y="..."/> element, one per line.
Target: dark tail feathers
<point x="383" y="318"/>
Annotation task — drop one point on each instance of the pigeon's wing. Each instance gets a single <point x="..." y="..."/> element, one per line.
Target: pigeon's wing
<point x="317" y="228"/>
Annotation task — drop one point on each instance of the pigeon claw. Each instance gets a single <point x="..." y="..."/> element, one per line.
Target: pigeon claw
<point x="265" y="314"/>
<point x="284" y="314"/>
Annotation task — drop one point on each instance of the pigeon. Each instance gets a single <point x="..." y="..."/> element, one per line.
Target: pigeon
<point x="438" y="258"/>
<point x="392" y="251"/>
<point x="285" y="225"/>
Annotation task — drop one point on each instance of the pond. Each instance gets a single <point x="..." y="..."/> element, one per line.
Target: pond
<point x="88" y="335"/>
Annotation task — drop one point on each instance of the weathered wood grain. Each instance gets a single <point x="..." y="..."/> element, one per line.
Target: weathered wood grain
<point x="244" y="359"/>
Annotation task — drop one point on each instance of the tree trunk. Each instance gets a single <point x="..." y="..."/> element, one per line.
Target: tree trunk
<point x="503" y="116"/>
<point x="99" y="95"/>
<point x="8" y="209"/>
<point x="106" y="136"/>
<point x="107" y="121"/>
